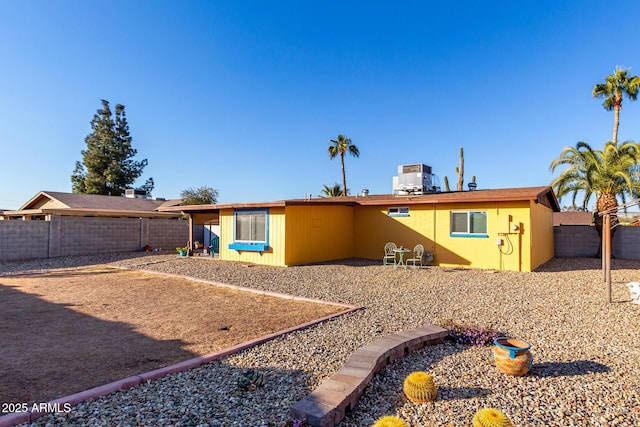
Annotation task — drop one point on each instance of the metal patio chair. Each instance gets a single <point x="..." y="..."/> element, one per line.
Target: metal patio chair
<point x="389" y="254"/>
<point x="418" y="252"/>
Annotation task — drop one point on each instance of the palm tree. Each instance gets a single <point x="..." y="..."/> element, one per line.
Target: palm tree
<point x="613" y="89"/>
<point x="334" y="191"/>
<point x="340" y="146"/>
<point x="608" y="174"/>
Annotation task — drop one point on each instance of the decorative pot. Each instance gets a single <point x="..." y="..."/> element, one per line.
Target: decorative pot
<point x="183" y="253"/>
<point x="512" y="356"/>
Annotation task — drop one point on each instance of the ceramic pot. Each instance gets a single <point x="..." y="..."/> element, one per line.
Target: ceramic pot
<point x="512" y="356"/>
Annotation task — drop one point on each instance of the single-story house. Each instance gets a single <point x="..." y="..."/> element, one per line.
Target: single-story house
<point x="503" y="229"/>
<point x="572" y="218"/>
<point x="53" y="224"/>
<point x="47" y="203"/>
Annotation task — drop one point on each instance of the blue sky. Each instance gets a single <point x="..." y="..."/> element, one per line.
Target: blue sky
<point x="244" y="96"/>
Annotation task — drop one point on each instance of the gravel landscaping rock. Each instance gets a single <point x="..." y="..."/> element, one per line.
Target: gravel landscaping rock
<point x="586" y="350"/>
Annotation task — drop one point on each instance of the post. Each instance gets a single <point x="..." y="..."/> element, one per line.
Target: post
<point x="606" y="237"/>
<point x="603" y="251"/>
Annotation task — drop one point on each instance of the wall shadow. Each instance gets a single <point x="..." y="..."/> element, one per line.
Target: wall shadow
<point x="390" y="229"/>
<point x="73" y="261"/>
<point x="559" y="264"/>
<point x="50" y="351"/>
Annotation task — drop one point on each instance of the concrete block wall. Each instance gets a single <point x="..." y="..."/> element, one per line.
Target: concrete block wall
<point x="24" y="240"/>
<point x="167" y="234"/>
<point x="575" y="241"/>
<point x="64" y="236"/>
<point x="626" y="243"/>
<point x="583" y="241"/>
<point x="94" y="235"/>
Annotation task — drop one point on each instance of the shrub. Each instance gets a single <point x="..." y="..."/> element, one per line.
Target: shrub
<point x="462" y="333"/>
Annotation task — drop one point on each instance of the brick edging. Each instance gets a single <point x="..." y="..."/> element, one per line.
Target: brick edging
<point x="327" y="404"/>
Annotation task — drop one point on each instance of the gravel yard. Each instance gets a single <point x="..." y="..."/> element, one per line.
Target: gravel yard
<point x="586" y="351"/>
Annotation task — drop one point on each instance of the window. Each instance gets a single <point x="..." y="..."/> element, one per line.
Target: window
<point x="403" y="211"/>
<point x="250" y="231"/>
<point x="469" y="223"/>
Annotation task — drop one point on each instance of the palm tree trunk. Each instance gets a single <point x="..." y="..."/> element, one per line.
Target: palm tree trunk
<point x="616" y="123"/>
<point x="604" y="203"/>
<point x="344" y="176"/>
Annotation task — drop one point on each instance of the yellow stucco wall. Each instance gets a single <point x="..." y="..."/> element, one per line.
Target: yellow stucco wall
<point x="373" y="228"/>
<point x="273" y="256"/>
<point x="318" y="233"/>
<point x="429" y="225"/>
<point x="315" y="233"/>
<point x="542" y="249"/>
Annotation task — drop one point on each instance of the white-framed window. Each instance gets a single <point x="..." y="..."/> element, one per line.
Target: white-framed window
<point x="398" y="211"/>
<point x="250" y="230"/>
<point x="469" y="223"/>
<point x="250" y="226"/>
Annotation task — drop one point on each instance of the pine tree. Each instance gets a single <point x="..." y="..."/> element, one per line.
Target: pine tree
<point x="107" y="166"/>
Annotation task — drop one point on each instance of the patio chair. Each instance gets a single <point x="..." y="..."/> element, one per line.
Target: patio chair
<point x="389" y="254"/>
<point x="418" y="252"/>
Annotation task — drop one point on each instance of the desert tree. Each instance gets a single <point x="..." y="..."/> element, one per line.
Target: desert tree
<point x="334" y="190"/>
<point x="607" y="174"/>
<point x="199" y="196"/>
<point x="615" y="87"/>
<point x="339" y="147"/>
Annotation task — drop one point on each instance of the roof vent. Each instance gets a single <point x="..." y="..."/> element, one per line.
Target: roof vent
<point x="365" y="192"/>
<point x="472" y="186"/>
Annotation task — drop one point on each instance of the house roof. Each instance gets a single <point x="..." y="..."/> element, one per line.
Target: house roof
<point x="572" y="218"/>
<point x="543" y="195"/>
<point x="92" y="204"/>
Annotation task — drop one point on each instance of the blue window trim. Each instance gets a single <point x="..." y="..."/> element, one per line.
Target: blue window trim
<point x="251" y="245"/>
<point x="478" y="235"/>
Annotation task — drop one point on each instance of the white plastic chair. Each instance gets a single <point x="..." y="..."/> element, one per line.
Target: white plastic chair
<point x="418" y="252"/>
<point x="389" y="254"/>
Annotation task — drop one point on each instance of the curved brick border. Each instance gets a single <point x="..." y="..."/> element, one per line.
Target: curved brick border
<point x="74" y="399"/>
<point x="326" y="405"/>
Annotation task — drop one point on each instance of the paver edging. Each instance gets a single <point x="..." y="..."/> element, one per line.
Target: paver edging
<point x="326" y="405"/>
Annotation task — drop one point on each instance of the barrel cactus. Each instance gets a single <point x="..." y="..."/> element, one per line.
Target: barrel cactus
<point x="491" y="417"/>
<point x="390" y="421"/>
<point x="419" y="387"/>
<point x="250" y="379"/>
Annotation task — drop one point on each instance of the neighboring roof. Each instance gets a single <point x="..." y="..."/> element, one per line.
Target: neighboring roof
<point x="543" y="195"/>
<point x="88" y="204"/>
<point x="572" y="218"/>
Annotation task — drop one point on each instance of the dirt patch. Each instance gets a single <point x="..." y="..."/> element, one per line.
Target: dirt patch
<point x="67" y="331"/>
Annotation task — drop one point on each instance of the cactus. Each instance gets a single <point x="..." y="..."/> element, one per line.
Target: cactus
<point x="491" y="417"/>
<point x="250" y="379"/>
<point x="419" y="387"/>
<point x="446" y="184"/>
<point x="390" y="421"/>
<point x="460" y="171"/>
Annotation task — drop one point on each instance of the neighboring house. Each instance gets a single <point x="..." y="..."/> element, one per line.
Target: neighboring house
<point x="572" y="218"/>
<point x="503" y="229"/>
<point x="53" y="224"/>
<point x="47" y="203"/>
